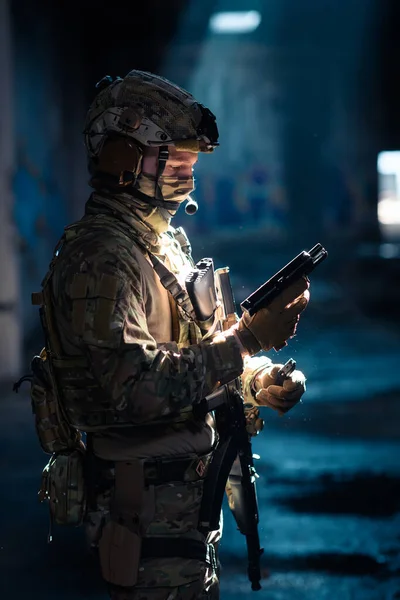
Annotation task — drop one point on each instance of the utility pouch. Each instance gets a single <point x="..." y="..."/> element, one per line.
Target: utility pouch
<point x="63" y="486"/>
<point x="54" y="432"/>
<point x="119" y="553"/>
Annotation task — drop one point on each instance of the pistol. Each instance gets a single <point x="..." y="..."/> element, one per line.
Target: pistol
<point x="300" y="266"/>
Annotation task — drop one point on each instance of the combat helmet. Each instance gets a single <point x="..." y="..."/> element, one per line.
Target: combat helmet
<point x="142" y="109"/>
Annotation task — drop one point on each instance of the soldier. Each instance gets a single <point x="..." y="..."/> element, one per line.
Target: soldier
<point x="131" y="359"/>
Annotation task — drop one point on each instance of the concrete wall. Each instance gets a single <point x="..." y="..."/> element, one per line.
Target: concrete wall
<point x="49" y="174"/>
<point x="10" y="305"/>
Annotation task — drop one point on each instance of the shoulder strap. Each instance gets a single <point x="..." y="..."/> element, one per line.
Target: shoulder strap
<point x="167" y="278"/>
<point x="172" y="285"/>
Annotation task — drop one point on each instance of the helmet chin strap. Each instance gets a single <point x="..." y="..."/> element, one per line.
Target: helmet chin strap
<point x="163" y="156"/>
<point x="158" y="201"/>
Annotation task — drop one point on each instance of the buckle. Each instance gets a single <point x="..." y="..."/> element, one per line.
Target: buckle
<point x="168" y="280"/>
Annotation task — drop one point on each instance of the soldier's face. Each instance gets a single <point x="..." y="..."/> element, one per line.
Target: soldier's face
<point x="179" y="163"/>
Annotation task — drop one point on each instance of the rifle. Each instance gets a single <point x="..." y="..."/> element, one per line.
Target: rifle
<point x="214" y="305"/>
<point x="233" y="458"/>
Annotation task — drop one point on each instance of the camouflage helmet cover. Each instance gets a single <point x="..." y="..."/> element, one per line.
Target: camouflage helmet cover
<point x="151" y="110"/>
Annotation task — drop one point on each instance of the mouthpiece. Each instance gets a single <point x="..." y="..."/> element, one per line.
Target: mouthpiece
<point x="191" y="206"/>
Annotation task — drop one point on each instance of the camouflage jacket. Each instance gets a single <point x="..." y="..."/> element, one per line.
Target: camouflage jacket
<point x="115" y="324"/>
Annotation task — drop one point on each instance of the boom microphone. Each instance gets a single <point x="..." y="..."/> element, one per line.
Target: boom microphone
<point x="191" y="206"/>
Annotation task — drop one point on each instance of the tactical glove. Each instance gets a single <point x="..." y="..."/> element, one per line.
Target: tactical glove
<point x="270" y="327"/>
<point x="278" y="397"/>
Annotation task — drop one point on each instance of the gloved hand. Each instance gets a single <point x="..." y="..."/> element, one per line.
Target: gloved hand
<point x="270" y="327"/>
<point x="278" y="397"/>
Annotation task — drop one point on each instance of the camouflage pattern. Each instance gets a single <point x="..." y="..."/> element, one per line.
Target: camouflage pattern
<point x="124" y="375"/>
<point x="147" y="108"/>
<point x="172" y="188"/>
<point x="116" y="371"/>
<point x="100" y="301"/>
<point x="53" y="430"/>
<point x="176" y="513"/>
<point x="177" y="508"/>
<point x="63" y="487"/>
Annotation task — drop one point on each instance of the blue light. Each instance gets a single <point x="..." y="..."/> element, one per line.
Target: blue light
<point x="235" y="22"/>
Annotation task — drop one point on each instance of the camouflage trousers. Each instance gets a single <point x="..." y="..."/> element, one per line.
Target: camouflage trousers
<point x="176" y="514"/>
<point x="206" y="587"/>
<point x="190" y="591"/>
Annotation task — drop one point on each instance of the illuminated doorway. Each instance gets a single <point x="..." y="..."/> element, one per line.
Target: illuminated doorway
<point x="389" y="195"/>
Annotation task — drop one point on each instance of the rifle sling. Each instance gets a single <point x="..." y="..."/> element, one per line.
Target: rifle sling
<point x="214" y="485"/>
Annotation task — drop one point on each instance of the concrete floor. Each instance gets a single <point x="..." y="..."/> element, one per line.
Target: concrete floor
<point x="329" y="485"/>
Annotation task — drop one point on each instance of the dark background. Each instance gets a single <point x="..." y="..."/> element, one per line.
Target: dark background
<point x="304" y="104"/>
